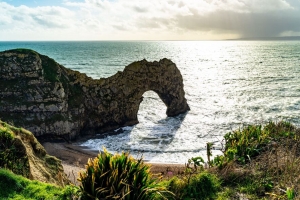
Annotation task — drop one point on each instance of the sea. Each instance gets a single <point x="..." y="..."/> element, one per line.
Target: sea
<point x="228" y="85"/>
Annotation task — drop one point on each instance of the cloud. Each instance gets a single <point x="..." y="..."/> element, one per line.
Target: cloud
<point x="140" y="9"/>
<point x="44" y="23"/>
<point x="245" y="19"/>
<point x="156" y="19"/>
<point x="245" y="24"/>
<point x="28" y="18"/>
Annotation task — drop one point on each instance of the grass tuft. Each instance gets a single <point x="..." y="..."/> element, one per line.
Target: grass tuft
<point x="17" y="187"/>
<point x="118" y="177"/>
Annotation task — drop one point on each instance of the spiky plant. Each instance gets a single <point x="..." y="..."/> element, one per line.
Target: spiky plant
<point x="118" y="176"/>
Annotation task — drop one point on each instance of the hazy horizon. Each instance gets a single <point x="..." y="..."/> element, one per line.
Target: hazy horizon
<point x="283" y="38"/>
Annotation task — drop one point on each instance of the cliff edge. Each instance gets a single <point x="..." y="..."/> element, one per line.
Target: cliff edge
<point x="21" y="153"/>
<point x="46" y="98"/>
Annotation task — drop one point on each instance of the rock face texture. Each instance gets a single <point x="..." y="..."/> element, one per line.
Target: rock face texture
<point x="48" y="99"/>
<point x="24" y="155"/>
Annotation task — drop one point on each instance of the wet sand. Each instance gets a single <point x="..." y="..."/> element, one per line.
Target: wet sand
<point x="75" y="157"/>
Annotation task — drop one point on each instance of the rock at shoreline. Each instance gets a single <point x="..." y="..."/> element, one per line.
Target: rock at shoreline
<point x="48" y="99"/>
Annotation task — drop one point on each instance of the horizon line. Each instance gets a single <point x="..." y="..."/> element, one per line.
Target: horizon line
<point x="112" y="40"/>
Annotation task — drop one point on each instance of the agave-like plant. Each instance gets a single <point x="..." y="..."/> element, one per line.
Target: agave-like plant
<point x="119" y="176"/>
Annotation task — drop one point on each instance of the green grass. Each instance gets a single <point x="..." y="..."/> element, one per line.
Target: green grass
<point x="261" y="162"/>
<point x="17" y="187"/>
<point x="12" y="153"/>
<point x="244" y="144"/>
<point x="258" y="162"/>
<point x="201" y="186"/>
<point x="23" y="50"/>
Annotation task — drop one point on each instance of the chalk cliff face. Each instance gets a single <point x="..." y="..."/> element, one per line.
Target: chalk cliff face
<point x="48" y="99"/>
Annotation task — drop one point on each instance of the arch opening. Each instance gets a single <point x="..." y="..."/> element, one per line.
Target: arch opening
<point x="154" y="131"/>
<point x="152" y="108"/>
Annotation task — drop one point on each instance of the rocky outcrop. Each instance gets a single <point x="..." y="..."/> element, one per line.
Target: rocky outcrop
<point x="24" y="155"/>
<point x="48" y="99"/>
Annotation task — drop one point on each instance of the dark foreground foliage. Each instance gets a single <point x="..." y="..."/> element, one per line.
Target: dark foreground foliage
<point x="258" y="162"/>
<point x="119" y="177"/>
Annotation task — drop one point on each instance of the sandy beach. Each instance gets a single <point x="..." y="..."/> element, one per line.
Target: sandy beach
<point x="74" y="158"/>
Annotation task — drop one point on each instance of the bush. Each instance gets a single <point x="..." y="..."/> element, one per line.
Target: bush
<point x="261" y="161"/>
<point x="118" y="177"/>
<point x="200" y="186"/>
<point x="242" y="145"/>
<point x="177" y="186"/>
<point x="203" y="186"/>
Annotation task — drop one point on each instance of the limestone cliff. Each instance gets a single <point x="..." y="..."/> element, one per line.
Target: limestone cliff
<point x="48" y="99"/>
<point x="24" y="155"/>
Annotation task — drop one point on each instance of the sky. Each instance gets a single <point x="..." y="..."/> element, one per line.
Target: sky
<point x="23" y="20"/>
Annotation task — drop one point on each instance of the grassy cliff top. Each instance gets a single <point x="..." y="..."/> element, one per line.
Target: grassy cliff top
<point x="17" y="187"/>
<point x="21" y="153"/>
<point x="258" y="162"/>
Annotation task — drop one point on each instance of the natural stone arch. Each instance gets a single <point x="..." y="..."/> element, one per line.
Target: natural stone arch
<point x="162" y="77"/>
<point x="48" y="99"/>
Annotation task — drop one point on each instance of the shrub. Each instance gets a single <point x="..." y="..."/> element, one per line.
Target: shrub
<point x="242" y="145"/>
<point x="269" y="156"/>
<point x="177" y="186"/>
<point x="201" y="186"/>
<point x="118" y="177"/>
<point x="246" y="143"/>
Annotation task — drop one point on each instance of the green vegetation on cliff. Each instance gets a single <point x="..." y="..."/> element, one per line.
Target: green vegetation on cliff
<point x="261" y="162"/>
<point x="258" y="162"/>
<point x="16" y="187"/>
<point x="24" y="51"/>
<point x="21" y="153"/>
<point x="12" y="153"/>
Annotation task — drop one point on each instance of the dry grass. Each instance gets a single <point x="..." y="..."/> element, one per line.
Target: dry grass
<point x="281" y="162"/>
<point x="271" y="175"/>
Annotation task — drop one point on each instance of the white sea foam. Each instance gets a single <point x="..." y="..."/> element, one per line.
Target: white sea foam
<point x="227" y="83"/>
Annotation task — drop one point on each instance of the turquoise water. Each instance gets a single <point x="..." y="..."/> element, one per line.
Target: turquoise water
<point x="228" y="84"/>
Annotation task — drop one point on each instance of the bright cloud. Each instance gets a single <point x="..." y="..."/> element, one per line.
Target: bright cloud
<point x="27" y="18"/>
<point x="156" y="19"/>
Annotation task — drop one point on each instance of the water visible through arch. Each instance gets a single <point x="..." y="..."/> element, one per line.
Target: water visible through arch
<point x="151" y="109"/>
<point x="153" y="133"/>
<point x="155" y="130"/>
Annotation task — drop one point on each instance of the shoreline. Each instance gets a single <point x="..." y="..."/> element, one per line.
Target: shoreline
<point x="74" y="158"/>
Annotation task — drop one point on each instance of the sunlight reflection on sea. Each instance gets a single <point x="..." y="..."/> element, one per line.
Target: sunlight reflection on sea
<point x="228" y="84"/>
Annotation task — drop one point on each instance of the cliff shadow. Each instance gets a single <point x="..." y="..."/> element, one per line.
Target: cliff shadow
<point x="151" y="136"/>
<point x="155" y="131"/>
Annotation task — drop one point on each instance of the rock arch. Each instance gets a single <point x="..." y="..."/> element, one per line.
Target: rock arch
<point x="162" y="77"/>
<point x="49" y="99"/>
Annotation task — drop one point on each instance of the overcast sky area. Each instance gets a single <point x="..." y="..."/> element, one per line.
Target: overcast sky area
<point x="147" y="19"/>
